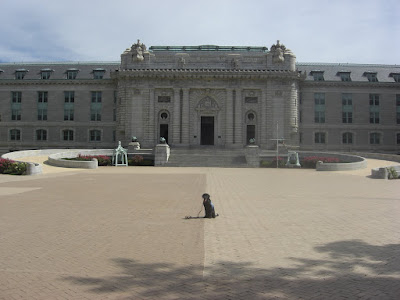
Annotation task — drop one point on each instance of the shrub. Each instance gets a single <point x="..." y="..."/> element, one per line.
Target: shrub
<point x="138" y="160"/>
<point x="392" y="174"/>
<point x="102" y="160"/>
<point x="8" y="166"/>
<point x="272" y="163"/>
<point x="5" y="164"/>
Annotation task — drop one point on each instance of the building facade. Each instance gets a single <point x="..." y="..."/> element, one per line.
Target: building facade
<point x="197" y="96"/>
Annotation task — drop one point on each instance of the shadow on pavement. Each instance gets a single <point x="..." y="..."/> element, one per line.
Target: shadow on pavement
<point x="353" y="270"/>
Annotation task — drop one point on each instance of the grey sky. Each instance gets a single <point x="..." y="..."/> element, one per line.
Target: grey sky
<point x="353" y="31"/>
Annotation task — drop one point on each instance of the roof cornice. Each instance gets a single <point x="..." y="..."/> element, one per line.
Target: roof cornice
<point x="205" y="73"/>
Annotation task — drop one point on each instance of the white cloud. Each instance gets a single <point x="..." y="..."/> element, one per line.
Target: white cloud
<point x="324" y="31"/>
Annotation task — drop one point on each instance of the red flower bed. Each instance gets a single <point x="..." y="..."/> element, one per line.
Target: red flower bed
<point x="311" y="161"/>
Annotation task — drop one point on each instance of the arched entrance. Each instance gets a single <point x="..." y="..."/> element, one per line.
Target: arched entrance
<point x="250" y="126"/>
<point x="207" y="113"/>
<point x="163" y="125"/>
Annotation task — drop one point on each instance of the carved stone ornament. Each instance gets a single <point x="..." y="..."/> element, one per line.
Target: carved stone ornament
<point x="137" y="51"/>
<point x="207" y="104"/>
<point x="277" y="52"/>
<point x="181" y="62"/>
<point x="234" y="63"/>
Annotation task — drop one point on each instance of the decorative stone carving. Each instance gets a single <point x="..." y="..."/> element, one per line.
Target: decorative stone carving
<point x="277" y="52"/>
<point x="234" y="63"/>
<point x="181" y="62"/>
<point x="137" y="51"/>
<point x="208" y="104"/>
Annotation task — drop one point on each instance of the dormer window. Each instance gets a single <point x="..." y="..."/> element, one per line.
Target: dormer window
<point x="396" y="76"/>
<point x="72" y="73"/>
<point x="45" y="73"/>
<point x="344" y="75"/>
<point x="20" y="74"/>
<point x="98" y="73"/>
<point x="318" y="75"/>
<point x="371" y="76"/>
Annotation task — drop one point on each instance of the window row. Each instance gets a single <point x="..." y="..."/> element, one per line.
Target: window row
<point x="68" y="74"/>
<point x="69" y="99"/>
<point x="375" y="138"/>
<point x="95" y="135"/>
<point x="347" y="108"/>
<point x="318" y="75"/>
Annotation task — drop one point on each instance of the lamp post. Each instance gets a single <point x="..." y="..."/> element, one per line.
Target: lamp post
<point x="277" y="143"/>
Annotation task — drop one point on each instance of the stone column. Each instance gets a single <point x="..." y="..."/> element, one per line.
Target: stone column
<point x="238" y="119"/>
<point x="185" y="118"/>
<point x="291" y="121"/>
<point x="229" y="118"/>
<point x="152" y="119"/>
<point x="263" y="120"/>
<point x="176" y="118"/>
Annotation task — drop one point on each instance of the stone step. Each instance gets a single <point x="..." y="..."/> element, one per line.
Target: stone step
<point x="207" y="158"/>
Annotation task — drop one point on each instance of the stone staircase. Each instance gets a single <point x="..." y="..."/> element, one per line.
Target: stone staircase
<point x="207" y="157"/>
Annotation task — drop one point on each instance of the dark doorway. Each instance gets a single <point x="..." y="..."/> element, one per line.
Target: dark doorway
<point x="251" y="133"/>
<point x="207" y="131"/>
<point x="164" y="131"/>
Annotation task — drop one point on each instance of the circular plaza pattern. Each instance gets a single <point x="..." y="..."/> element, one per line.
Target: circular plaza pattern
<point x="121" y="233"/>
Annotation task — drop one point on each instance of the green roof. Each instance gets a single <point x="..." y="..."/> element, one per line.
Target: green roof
<point x="208" y="48"/>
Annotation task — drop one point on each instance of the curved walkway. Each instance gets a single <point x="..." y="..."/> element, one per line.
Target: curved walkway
<point x="120" y="233"/>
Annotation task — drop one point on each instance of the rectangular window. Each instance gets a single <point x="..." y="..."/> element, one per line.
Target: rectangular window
<point x="15" y="135"/>
<point x="345" y="76"/>
<point x="19" y="75"/>
<point x="318" y="76"/>
<point x="96" y="97"/>
<point x="372" y="77"/>
<point x="319" y="138"/>
<point x="347" y="108"/>
<point x="68" y="135"/>
<point x="319" y="108"/>
<point x="69" y="96"/>
<point x="68" y="111"/>
<point x="42" y="97"/>
<point x="374" y="108"/>
<point x="164" y="98"/>
<point x="69" y="99"/>
<point x="347" y="138"/>
<point x="95" y="135"/>
<point x="98" y="74"/>
<point x="398" y="109"/>
<point x="398" y="138"/>
<point x="45" y="74"/>
<point x="16" y="98"/>
<point x="42" y="106"/>
<point x="41" y="135"/>
<point x="71" y="74"/>
<point x="374" y="138"/>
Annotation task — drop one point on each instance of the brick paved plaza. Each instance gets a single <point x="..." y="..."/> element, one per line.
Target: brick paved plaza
<point x="120" y="233"/>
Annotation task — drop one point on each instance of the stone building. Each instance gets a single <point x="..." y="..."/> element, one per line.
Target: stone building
<point x="197" y="96"/>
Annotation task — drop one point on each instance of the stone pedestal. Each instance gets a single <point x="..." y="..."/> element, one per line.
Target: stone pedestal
<point x="133" y="146"/>
<point x="161" y="154"/>
<point x="252" y="153"/>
